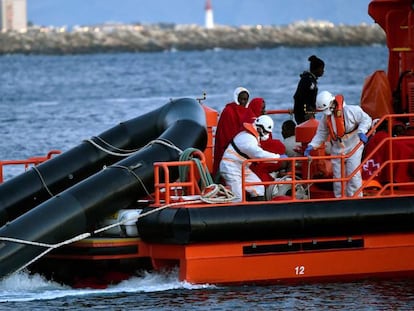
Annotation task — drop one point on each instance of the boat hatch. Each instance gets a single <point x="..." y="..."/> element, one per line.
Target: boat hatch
<point x="298" y="246"/>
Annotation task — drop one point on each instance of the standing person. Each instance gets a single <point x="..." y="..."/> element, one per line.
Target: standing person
<point x="346" y="126"/>
<point x="256" y="108"/>
<point x="229" y="124"/>
<point x="305" y="95"/>
<point x="246" y="145"/>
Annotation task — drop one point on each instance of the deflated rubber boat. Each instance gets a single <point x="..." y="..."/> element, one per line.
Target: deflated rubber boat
<point x="76" y="209"/>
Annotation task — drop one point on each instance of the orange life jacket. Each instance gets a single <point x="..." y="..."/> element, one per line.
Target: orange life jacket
<point x="249" y="127"/>
<point x="338" y="115"/>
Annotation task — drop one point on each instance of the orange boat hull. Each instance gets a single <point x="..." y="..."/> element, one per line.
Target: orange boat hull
<point x="228" y="263"/>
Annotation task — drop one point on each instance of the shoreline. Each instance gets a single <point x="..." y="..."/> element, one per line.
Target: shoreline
<point x="157" y="38"/>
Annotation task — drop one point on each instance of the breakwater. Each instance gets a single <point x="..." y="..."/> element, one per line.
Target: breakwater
<point x="154" y="38"/>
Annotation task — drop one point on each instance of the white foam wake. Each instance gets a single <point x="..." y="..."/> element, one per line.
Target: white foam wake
<point x="24" y="287"/>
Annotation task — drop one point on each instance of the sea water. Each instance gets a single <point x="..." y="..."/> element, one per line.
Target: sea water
<point x="55" y="102"/>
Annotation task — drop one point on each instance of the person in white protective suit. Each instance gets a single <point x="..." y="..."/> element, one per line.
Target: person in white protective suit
<point x="246" y="145"/>
<point x="346" y="126"/>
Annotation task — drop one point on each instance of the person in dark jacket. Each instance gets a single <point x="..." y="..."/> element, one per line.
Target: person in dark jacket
<point x="305" y="95"/>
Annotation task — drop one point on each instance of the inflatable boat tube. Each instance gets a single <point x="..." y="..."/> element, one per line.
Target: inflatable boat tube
<point x="278" y="221"/>
<point x="30" y="189"/>
<point x="76" y="209"/>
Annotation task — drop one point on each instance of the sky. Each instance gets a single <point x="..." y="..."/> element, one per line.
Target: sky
<point x="226" y="12"/>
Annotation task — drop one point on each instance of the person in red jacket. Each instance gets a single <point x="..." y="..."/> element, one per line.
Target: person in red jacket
<point x="401" y="150"/>
<point x="229" y="124"/>
<point x="255" y="109"/>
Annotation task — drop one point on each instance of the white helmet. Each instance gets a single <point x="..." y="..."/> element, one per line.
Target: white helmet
<point x="324" y="101"/>
<point x="265" y="123"/>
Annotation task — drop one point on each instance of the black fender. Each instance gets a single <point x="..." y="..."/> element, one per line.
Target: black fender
<point x="278" y="220"/>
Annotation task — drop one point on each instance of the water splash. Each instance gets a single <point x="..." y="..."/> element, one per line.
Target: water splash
<point x="23" y="286"/>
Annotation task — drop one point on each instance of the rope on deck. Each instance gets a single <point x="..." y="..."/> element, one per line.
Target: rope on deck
<point x="210" y="192"/>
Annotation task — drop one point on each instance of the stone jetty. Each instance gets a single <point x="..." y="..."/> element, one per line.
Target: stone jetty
<point x="163" y="37"/>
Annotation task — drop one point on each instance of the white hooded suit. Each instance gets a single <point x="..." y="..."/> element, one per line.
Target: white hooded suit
<point x="356" y="121"/>
<point x="231" y="164"/>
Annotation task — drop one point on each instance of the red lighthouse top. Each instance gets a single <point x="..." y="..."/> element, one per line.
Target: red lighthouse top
<point x="208" y="5"/>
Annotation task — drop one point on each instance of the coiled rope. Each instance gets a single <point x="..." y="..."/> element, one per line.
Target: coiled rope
<point x="217" y="193"/>
<point x="210" y="192"/>
<point x="205" y="176"/>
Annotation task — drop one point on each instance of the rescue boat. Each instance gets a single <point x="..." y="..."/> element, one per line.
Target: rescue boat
<point x="158" y="208"/>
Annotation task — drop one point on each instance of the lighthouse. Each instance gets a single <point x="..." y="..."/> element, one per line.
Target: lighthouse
<point x="209" y="15"/>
